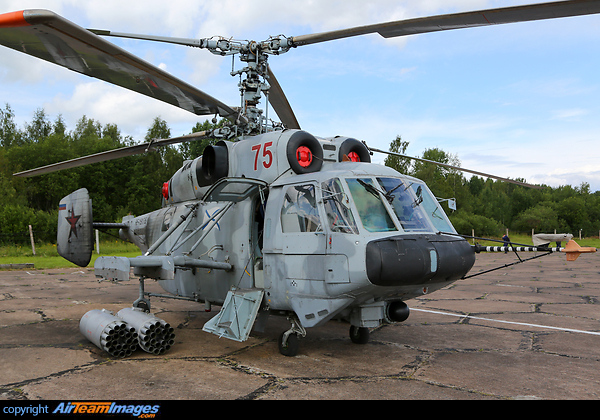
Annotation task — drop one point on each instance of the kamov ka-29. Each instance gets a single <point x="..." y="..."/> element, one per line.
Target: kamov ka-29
<point x="271" y="220"/>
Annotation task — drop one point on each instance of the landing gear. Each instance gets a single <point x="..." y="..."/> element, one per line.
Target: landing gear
<point x="289" y="341"/>
<point x="359" y="335"/>
<point x="289" y="345"/>
<point x="141" y="302"/>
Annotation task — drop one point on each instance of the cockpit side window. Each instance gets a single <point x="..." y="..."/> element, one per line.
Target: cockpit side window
<point x="432" y="208"/>
<point x="336" y="203"/>
<point x="371" y="210"/>
<point x="299" y="212"/>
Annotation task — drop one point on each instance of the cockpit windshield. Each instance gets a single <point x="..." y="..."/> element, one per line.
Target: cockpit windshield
<point x="416" y="209"/>
<point x="382" y="204"/>
<point x="371" y="209"/>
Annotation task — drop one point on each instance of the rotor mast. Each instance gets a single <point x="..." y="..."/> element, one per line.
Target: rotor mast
<point x="254" y="77"/>
<point x="253" y="85"/>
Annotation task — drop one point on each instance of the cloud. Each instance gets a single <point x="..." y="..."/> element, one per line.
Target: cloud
<point x="436" y="90"/>
<point x="570" y="114"/>
<point x="575" y="178"/>
<point x="99" y="100"/>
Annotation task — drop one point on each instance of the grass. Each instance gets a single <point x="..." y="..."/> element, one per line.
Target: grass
<point x="47" y="257"/>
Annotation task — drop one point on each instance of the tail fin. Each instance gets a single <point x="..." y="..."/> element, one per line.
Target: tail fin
<point x="573" y="250"/>
<point x="74" y="237"/>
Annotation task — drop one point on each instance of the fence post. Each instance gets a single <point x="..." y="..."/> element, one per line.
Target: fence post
<point x="97" y="242"/>
<point x="32" y="241"/>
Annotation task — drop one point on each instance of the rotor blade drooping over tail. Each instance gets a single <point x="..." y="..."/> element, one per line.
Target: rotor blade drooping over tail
<point x="111" y="154"/>
<point x="458" y="168"/>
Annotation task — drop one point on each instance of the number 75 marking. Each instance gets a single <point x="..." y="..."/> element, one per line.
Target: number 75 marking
<point x="267" y="155"/>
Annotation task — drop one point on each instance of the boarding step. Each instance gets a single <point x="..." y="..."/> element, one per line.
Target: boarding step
<point x="237" y="315"/>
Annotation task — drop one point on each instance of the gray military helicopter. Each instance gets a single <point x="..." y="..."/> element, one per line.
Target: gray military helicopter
<point x="270" y="220"/>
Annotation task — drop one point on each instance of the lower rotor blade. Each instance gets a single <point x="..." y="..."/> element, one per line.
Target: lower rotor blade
<point x="110" y="155"/>
<point x="280" y="104"/>
<point x="458" y="168"/>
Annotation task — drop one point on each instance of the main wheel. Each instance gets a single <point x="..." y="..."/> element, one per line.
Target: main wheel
<point x="143" y="304"/>
<point x="290" y="346"/>
<point x="359" y="335"/>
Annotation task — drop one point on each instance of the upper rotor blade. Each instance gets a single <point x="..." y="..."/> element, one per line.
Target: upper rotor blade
<point x="445" y="165"/>
<point x="280" y="104"/>
<point x="188" y="42"/>
<point x="496" y="16"/>
<point x="48" y="36"/>
<point x="110" y="154"/>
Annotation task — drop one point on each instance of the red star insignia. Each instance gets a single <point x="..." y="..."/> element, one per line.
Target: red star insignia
<point x="72" y="219"/>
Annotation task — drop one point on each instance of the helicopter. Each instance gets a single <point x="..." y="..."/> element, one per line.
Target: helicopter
<point x="271" y="220"/>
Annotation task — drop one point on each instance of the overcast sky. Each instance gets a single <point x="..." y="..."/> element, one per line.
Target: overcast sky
<point x="517" y="100"/>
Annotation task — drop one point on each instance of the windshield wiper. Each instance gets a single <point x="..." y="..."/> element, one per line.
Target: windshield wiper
<point x="370" y="188"/>
<point x="419" y="198"/>
<point x="388" y="195"/>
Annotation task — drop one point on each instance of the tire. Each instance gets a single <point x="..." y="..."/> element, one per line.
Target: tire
<point x="143" y="304"/>
<point x="359" y="335"/>
<point x="354" y="146"/>
<point x="290" y="348"/>
<point x="302" y="140"/>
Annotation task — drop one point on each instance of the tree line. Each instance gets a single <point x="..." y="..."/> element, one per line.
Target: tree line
<point x="489" y="207"/>
<point x="132" y="185"/>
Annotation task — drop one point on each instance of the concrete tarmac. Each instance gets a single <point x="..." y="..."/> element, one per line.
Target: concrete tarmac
<point x="531" y="331"/>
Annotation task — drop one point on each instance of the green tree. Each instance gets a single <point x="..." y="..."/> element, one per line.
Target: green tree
<point x="149" y="171"/>
<point x="39" y="128"/>
<point x="542" y="218"/>
<point x="9" y="135"/>
<point x="464" y="222"/>
<point x="442" y="181"/>
<point x="573" y="211"/>
<point x="193" y="149"/>
<point x="398" y="163"/>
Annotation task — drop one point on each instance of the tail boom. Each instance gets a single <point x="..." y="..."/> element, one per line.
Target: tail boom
<point x="572" y="249"/>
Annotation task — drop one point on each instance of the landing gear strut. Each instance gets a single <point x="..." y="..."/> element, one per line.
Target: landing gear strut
<point x="289" y="341"/>
<point x="141" y="302"/>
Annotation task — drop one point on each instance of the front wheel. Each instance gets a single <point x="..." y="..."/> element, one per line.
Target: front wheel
<point x="289" y="347"/>
<point x="359" y="335"/>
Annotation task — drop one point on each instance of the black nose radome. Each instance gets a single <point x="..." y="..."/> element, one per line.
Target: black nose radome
<point x="417" y="259"/>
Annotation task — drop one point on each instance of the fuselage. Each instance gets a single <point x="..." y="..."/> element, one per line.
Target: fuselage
<point x="342" y="241"/>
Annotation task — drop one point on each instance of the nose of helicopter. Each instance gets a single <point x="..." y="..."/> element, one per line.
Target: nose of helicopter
<point x="418" y="259"/>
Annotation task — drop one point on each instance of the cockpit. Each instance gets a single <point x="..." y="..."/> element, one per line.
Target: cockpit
<point x="367" y="204"/>
<point x="382" y="204"/>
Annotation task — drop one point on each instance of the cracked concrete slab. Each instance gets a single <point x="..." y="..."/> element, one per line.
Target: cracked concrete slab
<point x="451" y="347"/>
